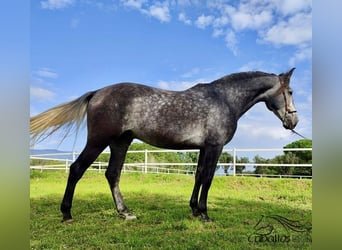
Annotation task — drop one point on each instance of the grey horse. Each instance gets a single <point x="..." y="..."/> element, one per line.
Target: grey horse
<point x="203" y="117"/>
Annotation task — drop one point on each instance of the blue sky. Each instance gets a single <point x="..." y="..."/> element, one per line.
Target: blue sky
<point x="82" y="45"/>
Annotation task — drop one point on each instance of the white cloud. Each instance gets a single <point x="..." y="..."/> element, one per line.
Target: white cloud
<point x="183" y="18"/>
<point x="262" y="131"/>
<point x="259" y="124"/>
<point x="137" y="4"/>
<point x="305" y="105"/>
<point x="218" y="32"/>
<point x="252" y="66"/>
<point x="287" y="7"/>
<point x="160" y="11"/>
<point x="231" y="42"/>
<point x="260" y="128"/>
<point x="279" y="23"/>
<point x="46" y="73"/>
<point x="301" y="55"/>
<point x="179" y="85"/>
<point x="302" y="85"/>
<point x="221" y="21"/>
<point x="164" y="85"/>
<point x="56" y="4"/>
<point x="242" y="19"/>
<point x="41" y="94"/>
<point x="203" y="21"/>
<point x="296" y="31"/>
<point x="40" y="83"/>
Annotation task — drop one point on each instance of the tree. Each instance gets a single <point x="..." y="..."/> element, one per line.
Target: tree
<point x="290" y="157"/>
<point x="189" y="157"/>
<point x="225" y="158"/>
<point x="303" y="156"/>
<point x="139" y="157"/>
<point x="239" y="169"/>
<point x="263" y="169"/>
<point x="300" y="157"/>
<point x="281" y="159"/>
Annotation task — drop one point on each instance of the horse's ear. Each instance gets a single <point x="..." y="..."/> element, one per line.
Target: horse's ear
<point x="289" y="74"/>
<point x="286" y="76"/>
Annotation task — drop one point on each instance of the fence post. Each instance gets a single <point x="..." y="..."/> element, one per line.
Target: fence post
<point x="146" y="161"/>
<point x="66" y="165"/>
<point x="234" y="161"/>
<point x="73" y="156"/>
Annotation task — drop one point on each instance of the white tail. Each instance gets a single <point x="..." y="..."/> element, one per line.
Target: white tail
<point x="68" y="115"/>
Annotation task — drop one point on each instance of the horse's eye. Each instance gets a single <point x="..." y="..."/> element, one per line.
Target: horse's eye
<point x="290" y="91"/>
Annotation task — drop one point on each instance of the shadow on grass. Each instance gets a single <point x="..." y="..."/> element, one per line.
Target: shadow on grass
<point x="163" y="220"/>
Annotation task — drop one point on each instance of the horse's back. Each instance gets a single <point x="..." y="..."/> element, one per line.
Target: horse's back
<point x="153" y="115"/>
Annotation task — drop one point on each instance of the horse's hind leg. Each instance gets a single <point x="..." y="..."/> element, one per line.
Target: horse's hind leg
<point x="77" y="169"/>
<point x="197" y="186"/>
<point x="118" y="153"/>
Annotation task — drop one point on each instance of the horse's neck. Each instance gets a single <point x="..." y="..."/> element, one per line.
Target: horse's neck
<point x="241" y="96"/>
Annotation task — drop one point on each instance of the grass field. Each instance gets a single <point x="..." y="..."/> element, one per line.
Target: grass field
<point x="164" y="221"/>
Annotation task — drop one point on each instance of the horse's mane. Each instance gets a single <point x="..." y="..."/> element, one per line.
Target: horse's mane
<point x="243" y="76"/>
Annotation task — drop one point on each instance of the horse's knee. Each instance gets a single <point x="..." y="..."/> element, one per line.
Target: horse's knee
<point x="75" y="172"/>
<point x="112" y="178"/>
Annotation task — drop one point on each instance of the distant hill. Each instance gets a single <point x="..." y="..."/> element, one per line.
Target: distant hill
<point x="45" y="151"/>
<point x="65" y="154"/>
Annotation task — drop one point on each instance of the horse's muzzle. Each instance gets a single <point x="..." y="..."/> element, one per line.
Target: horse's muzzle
<point x="290" y="120"/>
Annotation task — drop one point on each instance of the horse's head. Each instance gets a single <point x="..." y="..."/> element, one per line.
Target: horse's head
<point x="280" y="102"/>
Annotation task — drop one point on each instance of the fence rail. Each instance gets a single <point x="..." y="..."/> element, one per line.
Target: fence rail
<point x="62" y="161"/>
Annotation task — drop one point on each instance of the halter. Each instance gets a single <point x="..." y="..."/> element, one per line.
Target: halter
<point x="287" y="110"/>
<point x="281" y="90"/>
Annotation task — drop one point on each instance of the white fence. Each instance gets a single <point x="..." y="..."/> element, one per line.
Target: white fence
<point x="64" y="160"/>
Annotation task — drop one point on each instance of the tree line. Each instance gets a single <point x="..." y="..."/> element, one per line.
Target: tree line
<point x="290" y="157"/>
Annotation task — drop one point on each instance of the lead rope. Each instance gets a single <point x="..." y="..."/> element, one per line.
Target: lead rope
<point x="295" y="132"/>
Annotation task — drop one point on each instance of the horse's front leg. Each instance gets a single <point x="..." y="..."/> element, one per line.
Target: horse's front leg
<point x="211" y="156"/>
<point x="113" y="173"/>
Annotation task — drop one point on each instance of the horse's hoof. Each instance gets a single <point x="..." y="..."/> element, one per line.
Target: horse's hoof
<point x="196" y="214"/>
<point x="205" y="218"/>
<point x="67" y="221"/>
<point x="128" y="216"/>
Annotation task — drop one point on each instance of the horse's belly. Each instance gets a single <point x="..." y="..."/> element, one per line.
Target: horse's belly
<point x="175" y="138"/>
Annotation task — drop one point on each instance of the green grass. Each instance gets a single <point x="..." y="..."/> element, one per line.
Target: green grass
<point x="164" y="217"/>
